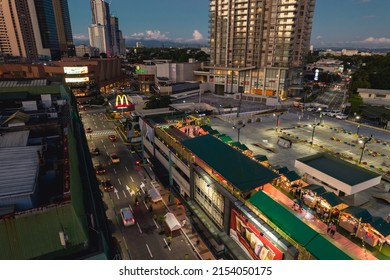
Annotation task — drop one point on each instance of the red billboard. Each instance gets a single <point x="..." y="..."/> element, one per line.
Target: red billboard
<point x="254" y="242"/>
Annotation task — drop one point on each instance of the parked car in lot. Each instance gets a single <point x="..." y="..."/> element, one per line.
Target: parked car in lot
<point x="127" y="217"/>
<point x="95" y="152"/>
<point x="112" y="137"/>
<point x="341" y="116"/>
<point x="311" y="109"/>
<point x="99" y="169"/>
<point x="114" y="158"/>
<point x="107" y="186"/>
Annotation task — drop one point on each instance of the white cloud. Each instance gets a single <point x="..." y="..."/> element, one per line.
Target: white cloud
<point x="156" y="35"/>
<point x="197" y="36"/>
<point x="373" y="40"/>
<point x="80" y="37"/>
<point x="149" y="35"/>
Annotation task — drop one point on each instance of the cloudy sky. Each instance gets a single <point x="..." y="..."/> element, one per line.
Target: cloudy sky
<point x="337" y="23"/>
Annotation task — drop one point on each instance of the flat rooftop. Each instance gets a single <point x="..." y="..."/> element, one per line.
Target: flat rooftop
<point x="243" y="172"/>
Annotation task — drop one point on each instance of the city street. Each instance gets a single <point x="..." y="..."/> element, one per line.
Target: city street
<point x="143" y="240"/>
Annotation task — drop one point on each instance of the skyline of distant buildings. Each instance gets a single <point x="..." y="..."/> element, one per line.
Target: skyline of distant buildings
<point x="36" y="30"/>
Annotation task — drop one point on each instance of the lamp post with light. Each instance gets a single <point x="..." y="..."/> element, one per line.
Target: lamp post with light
<point x="364" y="146"/>
<point x="312" y="133"/>
<point x="238" y="127"/>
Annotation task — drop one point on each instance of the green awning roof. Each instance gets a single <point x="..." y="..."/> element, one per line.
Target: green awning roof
<point x="261" y="157"/>
<point x="282" y="170"/>
<point x="206" y="127"/>
<point x="283" y="218"/>
<point x="316" y="189"/>
<point x="317" y="246"/>
<point x="244" y="173"/>
<point x="225" y="138"/>
<point x="239" y="145"/>
<point x="292" y="176"/>
<point x="322" y="249"/>
<point x="213" y="132"/>
<point x="358" y="213"/>
<point x="332" y="198"/>
<point x="381" y="226"/>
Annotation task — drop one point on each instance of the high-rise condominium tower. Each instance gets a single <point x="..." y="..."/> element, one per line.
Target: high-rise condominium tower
<point x="100" y="30"/>
<point x="258" y="46"/>
<point x="35" y="29"/>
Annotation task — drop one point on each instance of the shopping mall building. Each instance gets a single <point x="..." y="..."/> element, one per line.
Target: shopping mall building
<point x="221" y="187"/>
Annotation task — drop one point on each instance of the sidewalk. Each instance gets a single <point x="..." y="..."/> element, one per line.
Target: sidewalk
<point x="339" y="240"/>
<point x="194" y="240"/>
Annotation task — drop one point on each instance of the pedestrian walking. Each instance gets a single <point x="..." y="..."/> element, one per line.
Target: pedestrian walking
<point x="329" y="227"/>
<point x="332" y="230"/>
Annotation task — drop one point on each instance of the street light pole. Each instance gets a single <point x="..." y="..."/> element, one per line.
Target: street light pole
<point x="312" y="134"/>
<point x="238" y="127"/>
<point x="277" y="122"/>
<point x="358" y="128"/>
<point x="364" y="146"/>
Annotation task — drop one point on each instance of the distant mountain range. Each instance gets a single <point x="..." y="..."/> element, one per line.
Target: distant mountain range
<point x="154" y="44"/>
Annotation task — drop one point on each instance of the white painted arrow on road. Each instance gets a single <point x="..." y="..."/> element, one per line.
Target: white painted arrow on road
<point x="116" y="192"/>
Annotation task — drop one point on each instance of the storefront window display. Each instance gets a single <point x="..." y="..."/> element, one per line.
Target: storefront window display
<point x="252" y="240"/>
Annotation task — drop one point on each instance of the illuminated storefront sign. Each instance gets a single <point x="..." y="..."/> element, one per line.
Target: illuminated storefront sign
<point x="255" y="243"/>
<point x="77" y="80"/>
<point x="76" y="70"/>
<point x="121" y="101"/>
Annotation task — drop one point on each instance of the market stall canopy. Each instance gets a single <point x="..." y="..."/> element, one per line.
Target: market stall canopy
<point x="154" y="194"/>
<point x="292" y="176"/>
<point x="172" y="222"/>
<point x="282" y="169"/>
<point x="332" y="199"/>
<point x="358" y="213"/>
<point x="315" y="188"/>
<point x="381" y="226"/>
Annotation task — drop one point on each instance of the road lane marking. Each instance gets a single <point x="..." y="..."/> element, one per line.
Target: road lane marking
<point x="105" y="147"/>
<point x="119" y="181"/>
<point x="157" y="226"/>
<point x="101" y="140"/>
<point x="167" y="244"/>
<point x="140" y="230"/>
<point x="147" y="208"/>
<point x="107" y="153"/>
<point x="130" y="208"/>
<point x="127" y="170"/>
<point x="114" y="170"/>
<point x="132" y="179"/>
<point x="124" y="193"/>
<point x="150" y="169"/>
<point x="113" y="145"/>
<point x="131" y="193"/>
<point x="149" y="250"/>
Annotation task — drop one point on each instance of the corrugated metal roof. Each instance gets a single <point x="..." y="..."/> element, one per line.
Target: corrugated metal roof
<point x="23" y="83"/>
<point x="14" y="139"/>
<point x="19" y="168"/>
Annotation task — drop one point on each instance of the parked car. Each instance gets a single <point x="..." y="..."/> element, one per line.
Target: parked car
<point x="95" y="152"/>
<point x="311" y="109"/>
<point x="99" y="169"/>
<point x="107" y="186"/>
<point x="112" y="137"/>
<point x="341" y="116"/>
<point x="114" y="158"/>
<point x="127" y="217"/>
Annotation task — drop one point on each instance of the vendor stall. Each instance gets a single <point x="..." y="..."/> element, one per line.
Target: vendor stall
<point x="310" y="193"/>
<point x="351" y="217"/>
<point x="172" y="225"/>
<point x="375" y="231"/>
<point x="327" y="203"/>
<point x="154" y="195"/>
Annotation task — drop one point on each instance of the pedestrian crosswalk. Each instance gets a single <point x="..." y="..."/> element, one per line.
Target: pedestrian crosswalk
<point x="102" y="133"/>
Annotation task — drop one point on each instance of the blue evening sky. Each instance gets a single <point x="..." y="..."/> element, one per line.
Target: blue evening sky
<point x="337" y="23"/>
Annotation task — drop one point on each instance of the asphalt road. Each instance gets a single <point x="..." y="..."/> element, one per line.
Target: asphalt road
<point x="142" y="241"/>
